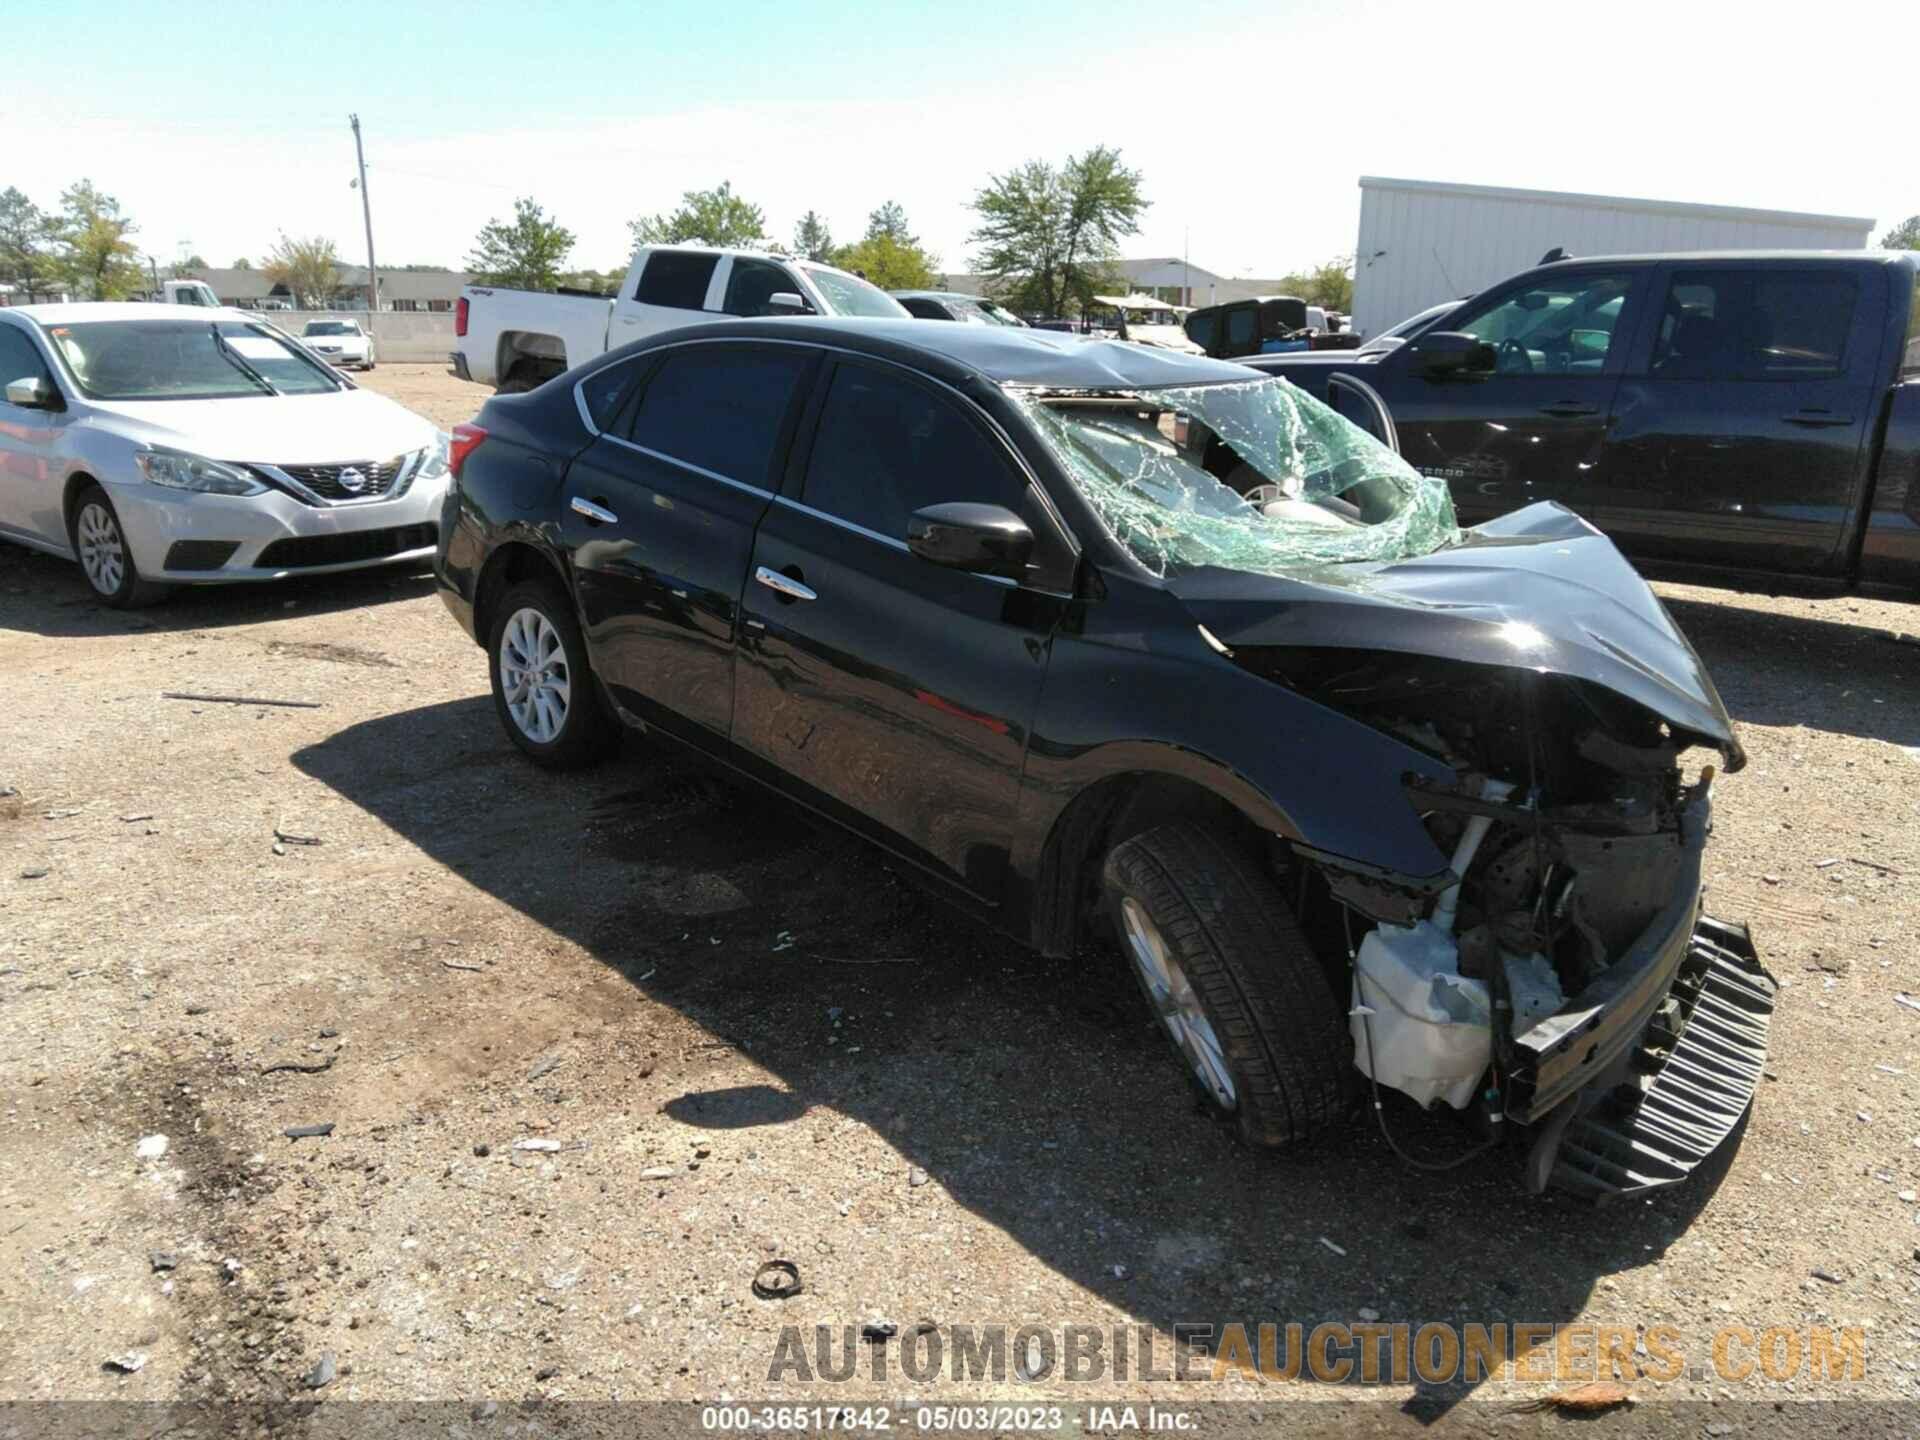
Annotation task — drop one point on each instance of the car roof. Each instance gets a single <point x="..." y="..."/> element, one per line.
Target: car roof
<point x="1722" y="257"/>
<point x="934" y="295"/>
<point x="80" y="311"/>
<point x="1002" y="354"/>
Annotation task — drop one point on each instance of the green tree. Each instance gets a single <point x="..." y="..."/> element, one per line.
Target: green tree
<point x="242" y="264"/>
<point x="1328" y="285"/>
<point x="184" y="269"/>
<point x="28" y="236"/>
<point x="526" y="254"/>
<point x="1904" y="236"/>
<point x="885" y="262"/>
<point x="1049" y="235"/>
<point x="715" y="217"/>
<point x="812" y="239"/>
<point x="100" y="261"/>
<point x="309" y="268"/>
<point x="891" y="220"/>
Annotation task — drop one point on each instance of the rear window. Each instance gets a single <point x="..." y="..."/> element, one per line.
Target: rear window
<point x="677" y="278"/>
<point x="1203" y="327"/>
<point x="719" y="408"/>
<point x="1755" y="325"/>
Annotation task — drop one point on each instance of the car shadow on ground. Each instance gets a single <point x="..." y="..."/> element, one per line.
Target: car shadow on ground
<point x="44" y="595"/>
<point x="1784" y="670"/>
<point x="1038" y="1093"/>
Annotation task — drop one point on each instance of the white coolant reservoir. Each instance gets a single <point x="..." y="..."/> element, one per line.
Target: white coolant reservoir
<point x="1432" y="1027"/>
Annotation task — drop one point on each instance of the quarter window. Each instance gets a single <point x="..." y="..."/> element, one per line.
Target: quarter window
<point x="677" y="278"/>
<point x="886" y="447"/>
<point x="719" y="408"/>
<point x="1558" y="326"/>
<point x="607" y="389"/>
<point x="1755" y="325"/>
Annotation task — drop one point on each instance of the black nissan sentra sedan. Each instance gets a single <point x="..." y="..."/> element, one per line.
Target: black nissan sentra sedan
<point x="1111" y="641"/>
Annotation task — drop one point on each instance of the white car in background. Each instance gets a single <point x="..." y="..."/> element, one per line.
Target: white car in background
<point x="161" y="446"/>
<point x="339" y="342"/>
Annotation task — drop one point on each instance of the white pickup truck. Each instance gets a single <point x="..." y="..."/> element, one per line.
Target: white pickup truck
<point x="515" y="340"/>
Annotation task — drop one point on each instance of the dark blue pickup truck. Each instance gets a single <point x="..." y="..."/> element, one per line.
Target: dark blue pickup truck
<point x="1753" y="411"/>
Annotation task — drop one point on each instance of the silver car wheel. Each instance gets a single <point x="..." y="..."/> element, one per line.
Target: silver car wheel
<point x="1173" y="999"/>
<point x="534" y="676"/>
<point x="103" y="554"/>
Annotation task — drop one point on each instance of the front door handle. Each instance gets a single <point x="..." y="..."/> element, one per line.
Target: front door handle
<point x="1570" y="409"/>
<point x="1816" y="418"/>
<point x="785" y="585"/>
<point x="596" y="514"/>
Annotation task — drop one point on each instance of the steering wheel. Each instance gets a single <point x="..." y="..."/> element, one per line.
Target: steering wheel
<point x="1524" y="361"/>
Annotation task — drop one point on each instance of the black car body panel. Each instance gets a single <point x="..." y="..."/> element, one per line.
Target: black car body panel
<point x="1742" y="412"/>
<point x="995" y="732"/>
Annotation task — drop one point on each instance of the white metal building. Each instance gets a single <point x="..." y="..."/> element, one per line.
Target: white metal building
<point x="1422" y="241"/>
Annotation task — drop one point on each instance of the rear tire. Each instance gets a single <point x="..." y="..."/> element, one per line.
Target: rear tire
<point x="544" y="689"/>
<point x="1226" y="969"/>
<point x="105" y="558"/>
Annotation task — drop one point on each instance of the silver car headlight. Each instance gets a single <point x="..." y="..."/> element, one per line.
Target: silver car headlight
<point x="178" y="470"/>
<point x="433" y="461"/>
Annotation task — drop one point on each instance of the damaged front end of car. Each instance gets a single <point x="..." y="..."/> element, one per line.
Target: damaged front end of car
<point x="1560" y="974"/>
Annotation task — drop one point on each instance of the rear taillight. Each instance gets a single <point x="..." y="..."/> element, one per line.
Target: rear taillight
<point x="460" y="316"/>
<point x="466" y="440"/>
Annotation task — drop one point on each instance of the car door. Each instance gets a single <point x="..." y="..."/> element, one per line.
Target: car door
<point x="674" y="288"/>
<point x="1532" y="427"/>
<point x="1741" y="436"/>
<point x="876" y="686"/>
<point x="751" y="285"/>
<point x="29" y="477"/>
<point x="659" y="518"/>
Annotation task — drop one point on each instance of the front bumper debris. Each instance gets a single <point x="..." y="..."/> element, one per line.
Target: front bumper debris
<point x="1656" y="1129"/>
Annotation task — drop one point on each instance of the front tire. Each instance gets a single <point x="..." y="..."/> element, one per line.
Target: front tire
<point x="105" y="557"/>
<point x="1230" y="976"/>
<point x="544" y="689"/>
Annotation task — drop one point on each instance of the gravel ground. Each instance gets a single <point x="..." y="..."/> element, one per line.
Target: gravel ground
<point x="750" y="1038"/>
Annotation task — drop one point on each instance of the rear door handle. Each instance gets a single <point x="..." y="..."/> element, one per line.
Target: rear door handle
<point x="1571" y="409"/>
<point x="783" y="584"/>
<point x="596" y="514"/>
<point x="1816" y="418"/>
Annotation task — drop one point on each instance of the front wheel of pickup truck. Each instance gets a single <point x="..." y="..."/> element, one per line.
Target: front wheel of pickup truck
<point x="1232" y="980"/>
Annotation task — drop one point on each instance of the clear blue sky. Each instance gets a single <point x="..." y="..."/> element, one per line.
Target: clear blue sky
<point x="607" y="112"/>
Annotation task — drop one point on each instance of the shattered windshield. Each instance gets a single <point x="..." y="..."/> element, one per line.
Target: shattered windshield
<point x="1248" y="475"/>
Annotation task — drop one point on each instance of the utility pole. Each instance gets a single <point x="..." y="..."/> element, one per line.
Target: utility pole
<point x="366" y="210"/>
<point x="153" y="269"/>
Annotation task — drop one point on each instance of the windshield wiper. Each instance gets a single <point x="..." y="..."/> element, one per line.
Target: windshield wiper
<point x="238" y="361"/>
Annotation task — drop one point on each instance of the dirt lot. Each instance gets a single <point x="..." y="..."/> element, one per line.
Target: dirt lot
<point x="751" y="1038"/>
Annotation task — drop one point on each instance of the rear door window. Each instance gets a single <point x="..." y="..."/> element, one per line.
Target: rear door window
<point x="1203" y="326"/>
<point x="720" y="408"/>
<point x="1755" y="325"/>
<point x="1242" y="325"/>
<point x="676" y="278"/>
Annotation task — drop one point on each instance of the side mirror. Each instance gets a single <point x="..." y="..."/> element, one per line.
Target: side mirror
<point x="1448" y="352"/>
<point x="962" y="535"/>
<point x="34" y="392"/>
<point x="788" y="302"/>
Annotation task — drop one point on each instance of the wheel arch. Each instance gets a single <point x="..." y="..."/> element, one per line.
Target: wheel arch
<point x="511" y="563"/>
<point x="1124" y="803"/>
<point x="77" y="482"/>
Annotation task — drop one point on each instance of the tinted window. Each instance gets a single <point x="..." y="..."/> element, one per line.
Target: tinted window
<point x="606" y="390"/>
<point x="752" y="286"/>
<point x="719" y="408"/>
<point x="677" y="278"/>
<point x="886" y="447"/>
<point x="1241" y="325"/>
<point x="1202" y="327"/>
<point x="1560" y="326"/>
<point x="926" y="309"/>
<point x="19" y="360"/>
<point x="1754" y="325"/>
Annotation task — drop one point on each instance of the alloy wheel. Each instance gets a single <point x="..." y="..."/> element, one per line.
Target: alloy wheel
<point x="1173" y="999"/>
<point x="103" y="554"/>
<point x="535" y="676"/>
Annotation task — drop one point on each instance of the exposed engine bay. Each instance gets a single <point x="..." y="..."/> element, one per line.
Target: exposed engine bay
<point x="1573" y="843"/>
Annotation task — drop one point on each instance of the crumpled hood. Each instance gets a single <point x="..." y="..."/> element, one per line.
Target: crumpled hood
<point x="331" y="428"/>
<point x="1539" y="589"/>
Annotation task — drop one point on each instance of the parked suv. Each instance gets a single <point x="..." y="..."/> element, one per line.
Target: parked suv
<point x="1105" y="638"/>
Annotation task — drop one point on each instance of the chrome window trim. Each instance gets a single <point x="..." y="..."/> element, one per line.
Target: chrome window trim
<point x="891" y="543"/>
<point x="688" y="465"/>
